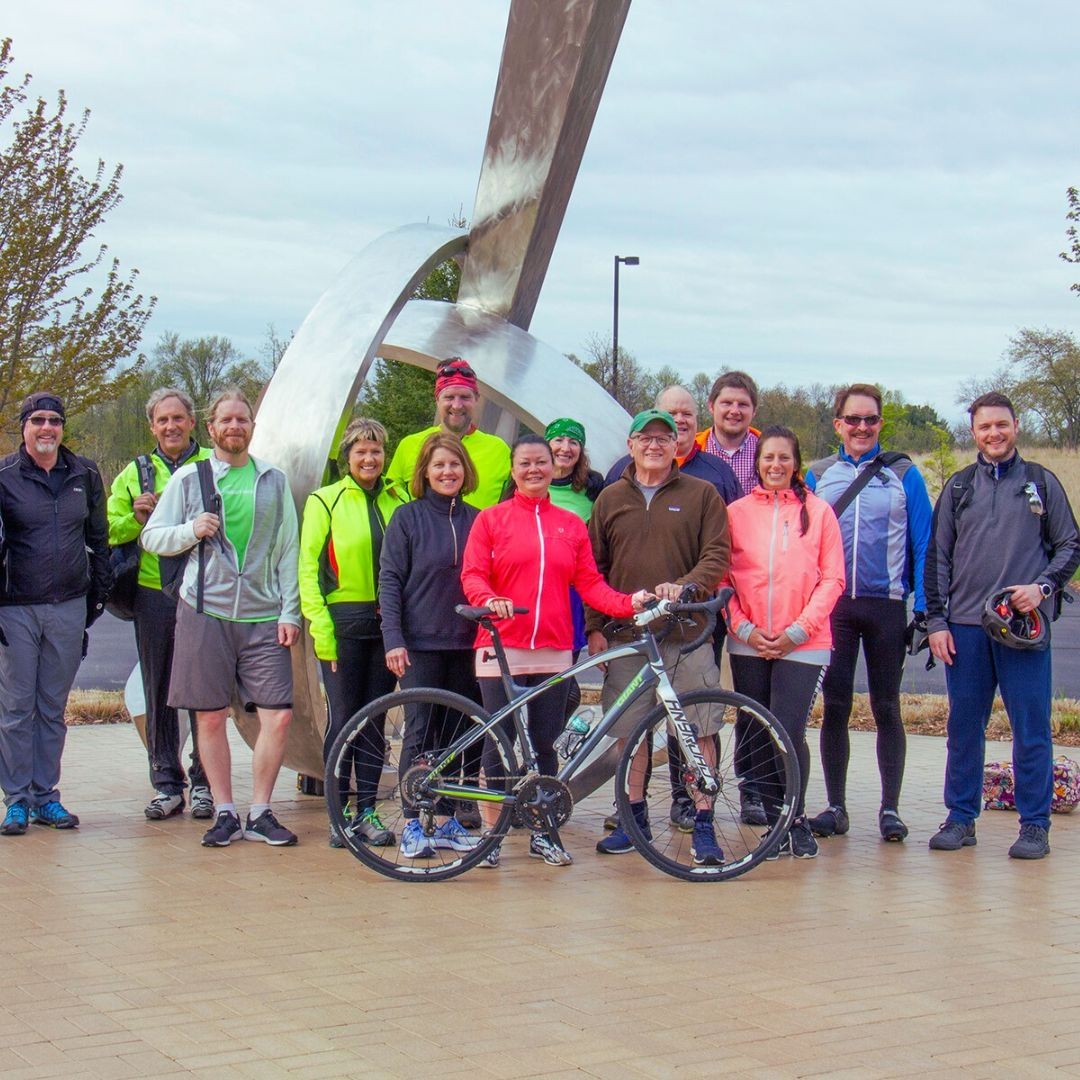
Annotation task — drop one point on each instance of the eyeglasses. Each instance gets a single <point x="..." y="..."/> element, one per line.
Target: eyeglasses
<point x="654" y="440"/>
<point x="42" y="421"/>
<point x="455" y="367"/>
<point x="855" y="421"/>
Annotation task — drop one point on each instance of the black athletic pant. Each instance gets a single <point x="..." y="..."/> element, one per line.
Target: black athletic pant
<point x="155" y="633"/>
<point x="547" y="718"/>
<point x="786" y="688"/>
<point x="361" y="677"/>
<point x="879" y="623"/>
<point x="428" y="727"/>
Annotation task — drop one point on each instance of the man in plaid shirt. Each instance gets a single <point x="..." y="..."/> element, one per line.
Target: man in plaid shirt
<point x="733" y="402"/>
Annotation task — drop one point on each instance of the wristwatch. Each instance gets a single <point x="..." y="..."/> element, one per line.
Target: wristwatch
<point x="1046" y="590"/>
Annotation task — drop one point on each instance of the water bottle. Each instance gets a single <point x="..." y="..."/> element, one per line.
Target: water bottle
<point x="574" y="735"/>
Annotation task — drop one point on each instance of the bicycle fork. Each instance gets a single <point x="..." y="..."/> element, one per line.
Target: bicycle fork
<point x="705" y="775"/>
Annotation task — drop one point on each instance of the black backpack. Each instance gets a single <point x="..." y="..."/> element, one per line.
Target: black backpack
<point x="124" y="558"/>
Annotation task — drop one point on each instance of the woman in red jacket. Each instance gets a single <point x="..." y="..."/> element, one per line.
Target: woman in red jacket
<point x="787" y="570"/>
<point x="527" y="552"/>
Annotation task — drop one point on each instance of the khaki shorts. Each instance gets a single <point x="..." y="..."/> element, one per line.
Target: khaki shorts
<point x="695" y="671"/>
<point x="213" y="658"/>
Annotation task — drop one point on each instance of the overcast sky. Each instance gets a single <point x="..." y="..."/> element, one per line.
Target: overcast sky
<point x="817" y="191"/>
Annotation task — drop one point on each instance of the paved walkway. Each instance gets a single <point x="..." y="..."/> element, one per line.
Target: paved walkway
<point x="130" y="951"/>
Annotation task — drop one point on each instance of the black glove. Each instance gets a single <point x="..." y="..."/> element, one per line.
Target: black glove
<point x="95" y="606"/>
<point x="916" y="636"/>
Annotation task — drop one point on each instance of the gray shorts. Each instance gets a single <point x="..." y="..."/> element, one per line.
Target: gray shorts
<point x="214" y="658"/>
<point x="695" y="671"/>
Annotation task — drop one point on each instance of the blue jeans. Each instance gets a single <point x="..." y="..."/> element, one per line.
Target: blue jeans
<point x="1023" y="676"/>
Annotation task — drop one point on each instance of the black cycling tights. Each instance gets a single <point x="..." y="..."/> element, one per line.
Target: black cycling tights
<point x="547" y="718"/>
<point x="879" y="623"/>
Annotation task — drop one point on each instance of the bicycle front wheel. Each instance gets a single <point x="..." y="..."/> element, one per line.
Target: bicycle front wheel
<point x="666" y="835"/>
<point x="387" y="815"/>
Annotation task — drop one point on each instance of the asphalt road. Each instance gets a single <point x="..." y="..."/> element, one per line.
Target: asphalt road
<point x="112" y="656"/>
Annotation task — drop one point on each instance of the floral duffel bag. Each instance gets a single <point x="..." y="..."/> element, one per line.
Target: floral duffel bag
<point x="998" y="793"/>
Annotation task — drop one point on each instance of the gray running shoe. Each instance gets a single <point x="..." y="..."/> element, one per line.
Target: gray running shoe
<point x="683" y="815"/>
<point x="369" y="827"/>
<point x="163" y="805"/>
<point x="953" y="835"/>
<point x="202" y="803"/>
<point x="751" y="812"/>
<point x="1032" y="843"/>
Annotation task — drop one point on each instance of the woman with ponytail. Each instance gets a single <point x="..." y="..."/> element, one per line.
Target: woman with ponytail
<point x="787" y="570"/>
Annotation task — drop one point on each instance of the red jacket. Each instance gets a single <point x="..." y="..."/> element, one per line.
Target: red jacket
<point x="532" y="551"/>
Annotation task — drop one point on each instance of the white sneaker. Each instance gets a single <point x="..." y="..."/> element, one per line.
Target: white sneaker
<point x="162" y="806"/>
<point x="201" y="803"/>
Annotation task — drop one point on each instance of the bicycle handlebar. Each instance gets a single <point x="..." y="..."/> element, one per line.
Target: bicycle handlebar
<point x="477" y="614"/>
<point x="710" y="608"/>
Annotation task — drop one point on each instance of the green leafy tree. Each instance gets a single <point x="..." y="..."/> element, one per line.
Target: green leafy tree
<point x="68" y="318"/>
<point x="1048" y="381"/>
<point x="1073" y="215"/>
<point x="940" y="463"/>
<point x="205" y="366"/>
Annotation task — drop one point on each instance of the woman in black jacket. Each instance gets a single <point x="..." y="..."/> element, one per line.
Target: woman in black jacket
<point x="427" y="643"/>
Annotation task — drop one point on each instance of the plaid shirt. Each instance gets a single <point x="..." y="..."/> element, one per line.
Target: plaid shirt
<point x="741" y="460"/>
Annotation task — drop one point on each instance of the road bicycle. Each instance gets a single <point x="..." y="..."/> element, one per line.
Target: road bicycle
<point x="449" y="730"/>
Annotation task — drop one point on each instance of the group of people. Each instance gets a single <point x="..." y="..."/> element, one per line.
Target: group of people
<point x="823" y="560"/>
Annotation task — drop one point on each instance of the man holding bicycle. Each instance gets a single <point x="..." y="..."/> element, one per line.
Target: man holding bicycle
<point x="656" y="525"/>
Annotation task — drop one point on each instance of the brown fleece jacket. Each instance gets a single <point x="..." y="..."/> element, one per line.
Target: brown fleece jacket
<point x="682" y="536"/>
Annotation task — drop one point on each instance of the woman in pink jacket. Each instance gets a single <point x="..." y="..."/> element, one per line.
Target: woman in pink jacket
<point x="527" y="552"/>
<point x="787" y="570"/>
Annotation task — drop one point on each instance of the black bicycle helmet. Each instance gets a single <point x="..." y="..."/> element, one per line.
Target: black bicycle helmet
<point x="1007" y="626"/>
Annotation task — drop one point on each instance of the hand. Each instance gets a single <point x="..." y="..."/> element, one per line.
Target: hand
<point x="206" y="524"/>
<point x="597" y="643"/>
<point x="397" y="660"/>
<point x="1025" y="598"/>
<point x="143" y="506"/>
<point x="780" y="645"/>
<point x="667" y="590"/>
<point x="641" y="598"/>
<point x="942" y="646"/>
<point x="760" y="643"/>
<point x="288" y="634"/>
<point x="501" y="606"/>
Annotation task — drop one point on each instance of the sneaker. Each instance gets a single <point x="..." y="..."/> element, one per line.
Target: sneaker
<point x="703" y="847"/>
<point x="369" y="827"/>
<point x="783" y="848"/>
<point x="751" y="812"/>
<point x="224" y="831"/>
<point x="468" y="815"/>
<point x="335" y="839"/>
<point x="163" y="805"/>
<point x="541" y="846"/>
<point x="953" y="835"/>
<point x="16" y="820"/>
<point x="832" y="821"/>
<point x="1032" y="843"/>
<point x="201" y="803"/>
<point x="800" y="840"/>
<point x="451" y="835"/>
<point x="268" y="829"/>
<point x="892" y="828"/>
<point x="611" y="822"/>
<point x="53" y="815"/>
<point x="414" y="844"/>
<point x="682" y="815"/>
<point x="615" y="843"/>
<point x="491" y="860"/>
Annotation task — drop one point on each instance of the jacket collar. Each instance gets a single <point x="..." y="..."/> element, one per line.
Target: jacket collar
<point x="531" y="504"/>
<point x="997" y="471"/>
<point x="764" y="494"/>
<point x="444" y="504"/>
<point x="843" y="455"/>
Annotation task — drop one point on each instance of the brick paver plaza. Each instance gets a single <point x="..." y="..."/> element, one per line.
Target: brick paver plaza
<point x="130" y="951"/>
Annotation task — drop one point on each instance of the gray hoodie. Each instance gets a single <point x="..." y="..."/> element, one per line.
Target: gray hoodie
<point x="267" y="587"/>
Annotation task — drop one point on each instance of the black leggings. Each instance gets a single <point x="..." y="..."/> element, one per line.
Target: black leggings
<point x="361" y="677"/>
<point x="547" y="718"/>
<point x="426" y="727"/>
<point x="880" y="624"/>
<point x="787" y="689"/>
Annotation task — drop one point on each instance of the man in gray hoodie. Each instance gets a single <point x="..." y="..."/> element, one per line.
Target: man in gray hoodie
<point x="1003" y="524"/>
<point x="238" y="612"/>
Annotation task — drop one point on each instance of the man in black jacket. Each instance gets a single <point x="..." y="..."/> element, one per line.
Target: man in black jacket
<point x="54" y="584"/>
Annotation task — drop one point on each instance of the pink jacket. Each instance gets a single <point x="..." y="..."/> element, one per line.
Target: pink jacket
<point x="784" y="581"/>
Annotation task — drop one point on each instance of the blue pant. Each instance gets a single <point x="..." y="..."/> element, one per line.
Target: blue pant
<point x="1023" y="676"/>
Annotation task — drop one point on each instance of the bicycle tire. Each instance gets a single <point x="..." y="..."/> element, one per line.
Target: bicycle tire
<point x="743" y="846"/>
<point x="378" y="724"/>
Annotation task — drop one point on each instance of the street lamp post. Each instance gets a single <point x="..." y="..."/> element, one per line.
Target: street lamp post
<point x="630" y="260"/>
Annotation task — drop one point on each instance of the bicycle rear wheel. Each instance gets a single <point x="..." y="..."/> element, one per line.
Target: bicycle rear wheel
<point x="763" y="743"/>
<point x="363" y="770"/>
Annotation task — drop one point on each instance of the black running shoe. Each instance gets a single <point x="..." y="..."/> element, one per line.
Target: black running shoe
<point x="224" y="831"/>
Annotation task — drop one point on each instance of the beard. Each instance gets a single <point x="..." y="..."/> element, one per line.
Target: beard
<point x="233" y="444"/>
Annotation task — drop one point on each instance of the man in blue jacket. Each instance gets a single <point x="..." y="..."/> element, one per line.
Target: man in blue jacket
<point x="55" y="582"/>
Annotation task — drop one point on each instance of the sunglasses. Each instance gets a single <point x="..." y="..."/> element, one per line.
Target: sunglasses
<point x="855" y="421"/>
<point x="42" y="421"/>
<point x="456" y="368"/>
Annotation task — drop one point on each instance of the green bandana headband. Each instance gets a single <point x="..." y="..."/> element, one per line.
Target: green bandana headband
<point x="565" y="426"/>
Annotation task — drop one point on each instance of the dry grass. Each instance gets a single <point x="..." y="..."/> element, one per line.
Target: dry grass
<point x="96" y="707"/>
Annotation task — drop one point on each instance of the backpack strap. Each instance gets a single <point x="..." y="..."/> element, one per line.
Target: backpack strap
<point x="961" y="491"/>
<point x="147" y="479"/>
<point x="211" y="501"/>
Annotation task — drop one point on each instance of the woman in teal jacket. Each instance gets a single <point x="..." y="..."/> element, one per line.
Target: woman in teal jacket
<point x="340" y="541"/>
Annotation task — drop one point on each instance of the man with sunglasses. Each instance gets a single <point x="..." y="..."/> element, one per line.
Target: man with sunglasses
<point x="885" y="522"/>
<point x="54" y="584"/>
<point x="456" y="399"/>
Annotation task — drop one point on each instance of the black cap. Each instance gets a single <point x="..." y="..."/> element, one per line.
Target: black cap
<point x="41" y="400"/>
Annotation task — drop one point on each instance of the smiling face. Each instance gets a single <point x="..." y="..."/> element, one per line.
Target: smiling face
<point x="732" y="412"/>
<point x="532" y="468"/>
<point x="454" y="409"/>
<point x="776" y="463"/>
<point x="653" y="450"/>
<point x="366" y="458"/>
<point x="445" y="473"/>
<point x="231" y="426"/>
<point x="43" y="432"/>
<point x="680" y="405"/>
<point x="995" y="430"/>
<point x="172" y="426"/>
<point x="566" y="452"/>
<point x="859" y="426"/>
